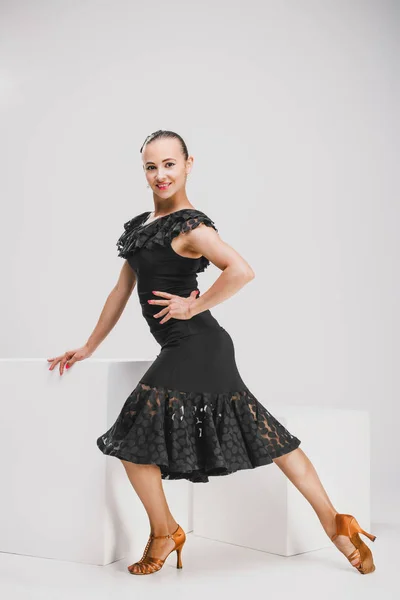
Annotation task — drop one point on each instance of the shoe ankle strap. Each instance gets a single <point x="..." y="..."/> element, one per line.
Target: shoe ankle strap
<point x="169" y="535"/>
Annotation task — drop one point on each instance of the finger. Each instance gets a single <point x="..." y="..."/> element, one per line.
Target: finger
<point x="167" y="318"/>
<point x="161" y="313"/>
<point x="161" y="302"/>
<point x="70" y="362"/>
<point x="55" y="359"/>
<point x="66" y="357"/>
<point x="163" y="294"/>
<point x="62" y="364"/>
<point x="54" y="363"/>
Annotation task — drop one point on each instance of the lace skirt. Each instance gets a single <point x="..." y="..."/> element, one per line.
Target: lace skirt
<point x="193" y="416"/>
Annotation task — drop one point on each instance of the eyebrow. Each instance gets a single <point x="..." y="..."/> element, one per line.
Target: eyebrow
<point x="150" y="162"/>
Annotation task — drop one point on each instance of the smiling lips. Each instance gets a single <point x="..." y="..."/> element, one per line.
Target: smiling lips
<point x="163" y="186"/>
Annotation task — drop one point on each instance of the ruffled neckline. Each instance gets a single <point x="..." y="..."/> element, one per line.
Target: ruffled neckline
<point x="161" y="231"/>
<point x="148" y="213"/>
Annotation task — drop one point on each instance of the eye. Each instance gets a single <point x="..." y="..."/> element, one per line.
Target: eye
<point x="152" y="166"/>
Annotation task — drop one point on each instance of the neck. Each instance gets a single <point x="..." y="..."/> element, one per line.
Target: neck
<point x="176" y="202"/>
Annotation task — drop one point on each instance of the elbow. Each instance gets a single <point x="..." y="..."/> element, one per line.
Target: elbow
<point x="250" y="275"/>
<point x="247" y="273"/>
<point x="244" y="272"/>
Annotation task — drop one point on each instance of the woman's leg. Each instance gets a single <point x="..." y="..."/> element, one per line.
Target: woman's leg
<point x="301" y="472"/>
<point x="147" y="483"/>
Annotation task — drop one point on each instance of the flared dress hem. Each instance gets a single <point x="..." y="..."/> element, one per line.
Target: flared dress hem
<point x="196" y="435"/>
<point x="202" y="476"/>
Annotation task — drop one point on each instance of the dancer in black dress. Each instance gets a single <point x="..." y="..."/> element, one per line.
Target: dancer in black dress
<point x="191" y="416"/>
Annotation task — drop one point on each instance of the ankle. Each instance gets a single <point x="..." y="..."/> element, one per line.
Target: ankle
<point x="164" y="528"/>
<point x="172" y="525"/>
<point x="328" y="522"/>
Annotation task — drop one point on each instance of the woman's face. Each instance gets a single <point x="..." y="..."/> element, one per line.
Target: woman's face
<point x="164" y="163"/>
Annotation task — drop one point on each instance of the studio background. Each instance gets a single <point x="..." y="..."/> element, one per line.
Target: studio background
<point x="290" y="111"/>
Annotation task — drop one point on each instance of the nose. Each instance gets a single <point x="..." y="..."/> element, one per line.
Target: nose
<point x="160" y="173"/>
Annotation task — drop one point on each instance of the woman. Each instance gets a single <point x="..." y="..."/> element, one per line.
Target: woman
<point x="191" y="416"/>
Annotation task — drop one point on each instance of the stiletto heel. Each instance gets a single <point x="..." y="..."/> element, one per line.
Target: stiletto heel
<point x="348" y="525"/>
<point x="178" y="557"/>
<point x="369" y="535"/>
<point x="150" y="564"/>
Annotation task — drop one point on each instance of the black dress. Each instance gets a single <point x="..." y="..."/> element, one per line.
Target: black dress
<point x="191" y="413"/>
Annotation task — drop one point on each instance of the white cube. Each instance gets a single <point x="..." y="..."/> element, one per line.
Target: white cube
<point x="61" y="497"/>
<point x="261" y="509"/>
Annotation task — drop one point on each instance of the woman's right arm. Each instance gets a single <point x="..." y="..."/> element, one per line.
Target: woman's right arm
<point x="112" y="310"/>
<point x="114" y="307"/>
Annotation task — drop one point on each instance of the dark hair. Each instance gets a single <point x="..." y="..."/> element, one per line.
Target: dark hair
<point x="166" y="134"/>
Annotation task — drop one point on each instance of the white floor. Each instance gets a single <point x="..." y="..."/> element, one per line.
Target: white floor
<point x="211" y="570"/>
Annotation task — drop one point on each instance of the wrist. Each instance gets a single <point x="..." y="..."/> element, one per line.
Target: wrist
<point x="194" y="308"/>
<point x="91" y="347"/>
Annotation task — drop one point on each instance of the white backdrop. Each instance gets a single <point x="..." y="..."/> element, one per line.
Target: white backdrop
<point x="289" y="109"/>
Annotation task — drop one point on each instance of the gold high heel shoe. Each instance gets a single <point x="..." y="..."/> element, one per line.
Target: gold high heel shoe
<point x="348" y="526"/>
<point x="150" y="564"/>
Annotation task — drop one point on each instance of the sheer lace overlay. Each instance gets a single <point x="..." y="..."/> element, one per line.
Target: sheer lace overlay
<point x="161" y="232"/>
<point x="193" y="435"/>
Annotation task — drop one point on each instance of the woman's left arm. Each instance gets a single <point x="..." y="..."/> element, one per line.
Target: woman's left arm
<point x="236" y="272"/>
